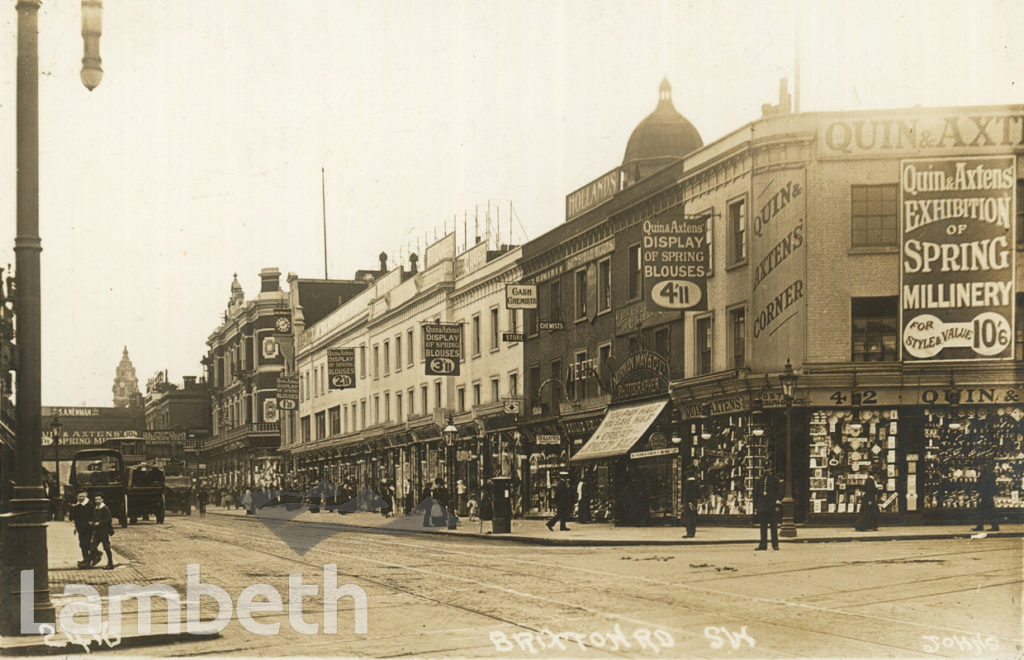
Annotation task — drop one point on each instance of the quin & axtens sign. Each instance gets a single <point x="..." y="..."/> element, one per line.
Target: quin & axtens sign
<point x="920" y="132"/>
<point x="341" y="368"/>
<point x="442" y="348"/>
<point x="957" y="266"/>
<point x="675" y="262"/>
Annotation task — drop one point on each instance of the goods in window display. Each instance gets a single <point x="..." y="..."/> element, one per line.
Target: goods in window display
<point x="846" y="448"/>
<point x="959" y="442"/>
<point x="728" y="462"/>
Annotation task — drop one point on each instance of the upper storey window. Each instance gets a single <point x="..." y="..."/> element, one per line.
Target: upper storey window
<point x="874" y="216"/>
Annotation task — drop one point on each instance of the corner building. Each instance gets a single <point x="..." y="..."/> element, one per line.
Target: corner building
<point x="880" y="252"/>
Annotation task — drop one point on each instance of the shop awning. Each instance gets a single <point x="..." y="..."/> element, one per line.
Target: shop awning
<point x="619" y="430"/>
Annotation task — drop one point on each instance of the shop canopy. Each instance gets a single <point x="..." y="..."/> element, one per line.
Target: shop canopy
<point x="619" y="431"/>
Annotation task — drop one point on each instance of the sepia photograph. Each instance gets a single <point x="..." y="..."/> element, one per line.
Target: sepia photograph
<point x="512" y="329"/>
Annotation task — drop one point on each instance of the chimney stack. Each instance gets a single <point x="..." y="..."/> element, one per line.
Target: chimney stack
<point x="270" y="280"/>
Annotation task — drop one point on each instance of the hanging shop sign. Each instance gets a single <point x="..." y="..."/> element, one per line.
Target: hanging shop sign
<point x="547" y="439"/>
<point x="676" y="255"/>
<point x="341" y="368"/>
<point x="288" y="392"/>
<point x="550" y="325"/>
<point x="777" y="252"/>
<point x="513" y="337"/>
<point x="442" y="348"/>
<point x="957" y="265"/>
<point x="520" y="296"/>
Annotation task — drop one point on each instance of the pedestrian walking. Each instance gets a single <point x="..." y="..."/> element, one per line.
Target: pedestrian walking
<point x="868" y="507"/>
<point x="765" y="499"/>
<point x="583" y="499"/>
<point x="565" y="497"/>
<point x="691" y="493"/>
<point x="461" y="493"/>
<point x="247" y="502"/>
<point x="80" y="513"/>
<point x="472" y="506"/>
<point x="987" y="502"/>
<point x="102" y="529"/>
<point x="203" y="496"/>
<point x="409" y="496"/>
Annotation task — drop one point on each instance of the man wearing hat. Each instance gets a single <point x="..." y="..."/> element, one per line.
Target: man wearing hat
<point x="564" y="500"/>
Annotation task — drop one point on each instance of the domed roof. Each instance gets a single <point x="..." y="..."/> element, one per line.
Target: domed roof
<point x="663" y="134"/>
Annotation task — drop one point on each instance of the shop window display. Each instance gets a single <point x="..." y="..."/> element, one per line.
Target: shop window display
<point x="545" y="464"/>
<point x="847" y="447"/>
<point x="959" y="442"/>
<point x="729" y="459"/>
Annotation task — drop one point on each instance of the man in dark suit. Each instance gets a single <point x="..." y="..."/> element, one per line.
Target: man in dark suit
<point x="102" y="527"/>
<point x="564" y="500"/>
<point x="766" y="495"/>
<point x="690" y="498"/>
<point x="80" y="513"/>
<point x="987" y="496"/>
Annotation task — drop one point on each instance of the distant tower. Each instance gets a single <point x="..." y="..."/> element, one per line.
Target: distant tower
<point x="126" y="385"/>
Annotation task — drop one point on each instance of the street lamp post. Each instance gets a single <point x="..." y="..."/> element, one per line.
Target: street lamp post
<point x="24" y="534"/>
<point x="788" y="380"/>
<point x="449" y="434"/>
<point x="55" y="429"/>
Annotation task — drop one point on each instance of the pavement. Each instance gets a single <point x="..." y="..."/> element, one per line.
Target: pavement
<point x="535" y="531"/>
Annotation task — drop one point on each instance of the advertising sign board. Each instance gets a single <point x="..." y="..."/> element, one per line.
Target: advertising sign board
<point x="341" y="368"/>
<point x="442" y="348"/>
<point x="520" y="296"/>
<point x="287" y="392"/>
<point x="675" y="261"/>
<point x="957" y="266"/>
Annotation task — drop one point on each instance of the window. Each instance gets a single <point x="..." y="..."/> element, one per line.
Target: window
<point x="305" y="428"/>
<point x="604" y="286"/>
<point x="513" y="321"/>
<point x="423" y="399"/>
<point x="513" y="384"/>
<point x="376" y="363"/>
<point x="873" y="217"/>
<point x="387" y="357"/>
<point x="580" y="294"/>
<point x="495" y="329"/>
<point x="555" y="301"/>
<point x="874" y="331"/>
<point x="321" y="425"/>
<point x="476" y="335"/>
<point x="376" y="409"/>
<point x="604" y="354"/>
<point x="495" y="387"/>
<point x="460" y="397"/>
<point x="362" y="362"/>
<point x="553" y="393"/>
<point x="437" y="394"/>
<point x="323" y="379"/>
<point x="335" y="420"/>
<point x="398" y="352"/>
<point x="635" y="275"/>
<point x="387" y="406"/>
<point x="533" y="383"/>
<point x="530" y="321"/>
<point x="737" y="213"/>
<point x="661" y="342"/>
<point x="302" y="387"/>
<point x="409" y="350"/>
<point x="738" y="330"/>
<point x="412" y="402"/>
<point x="398" y="406"/>
<point x="703" y="340"/>
<point x="476" y="394"/>
<point x="346" y="421"/>
<point x="362" y="414"/>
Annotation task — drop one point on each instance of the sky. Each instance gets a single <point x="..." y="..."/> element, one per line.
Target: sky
<point x="200" y="153"/>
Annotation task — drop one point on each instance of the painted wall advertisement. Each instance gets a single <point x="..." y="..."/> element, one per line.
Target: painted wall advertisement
<point x="957" y="238"/>
<point x="778" y="254"/>
<point x="442" y="348"/>
<point x="675" y="262"/>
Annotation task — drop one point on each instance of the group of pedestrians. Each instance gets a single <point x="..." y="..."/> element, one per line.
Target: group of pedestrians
<point x="94" y="526"/>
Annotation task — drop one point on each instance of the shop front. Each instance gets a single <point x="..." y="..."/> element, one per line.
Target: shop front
<point x="547" y="459"/>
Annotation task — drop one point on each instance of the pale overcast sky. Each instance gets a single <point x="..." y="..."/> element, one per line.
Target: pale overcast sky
<point x="199" y="155"/>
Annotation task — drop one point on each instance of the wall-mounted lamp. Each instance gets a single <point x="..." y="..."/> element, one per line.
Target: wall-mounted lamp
<point x="705" y="435"/>
<point x="675" y="438"/>
<point x="954" y="425"/>
<point x="757" y="431"/>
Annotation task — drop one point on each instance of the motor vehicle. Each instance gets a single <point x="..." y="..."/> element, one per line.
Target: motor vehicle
<point x="145" y="492"/>
<point x="100" y="471"/>
<point x="178" y="494"/>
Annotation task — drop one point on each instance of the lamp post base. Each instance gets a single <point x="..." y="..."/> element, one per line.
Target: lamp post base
<point x="24" y="541"/>
<point x="788" y="526"/>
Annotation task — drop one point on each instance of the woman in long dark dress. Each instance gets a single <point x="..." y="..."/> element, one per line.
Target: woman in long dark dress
<point x="868" y="507"/>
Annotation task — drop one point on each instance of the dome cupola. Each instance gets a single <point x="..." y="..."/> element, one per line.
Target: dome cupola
<point x="662" y="137"/>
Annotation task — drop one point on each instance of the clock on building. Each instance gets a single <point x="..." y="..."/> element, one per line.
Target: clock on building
<point x="282" y="325"/>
